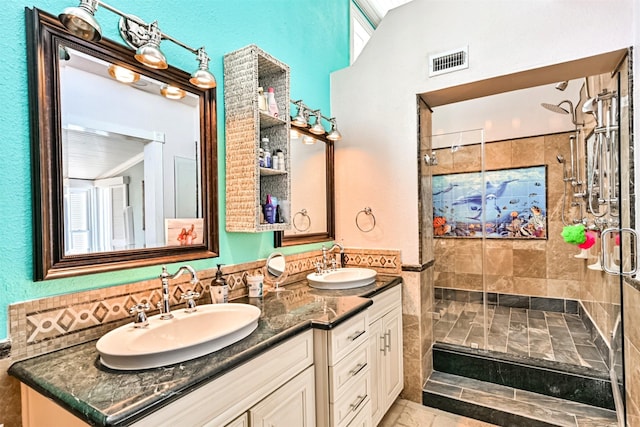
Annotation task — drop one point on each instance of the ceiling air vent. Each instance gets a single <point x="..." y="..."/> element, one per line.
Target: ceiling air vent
<point x="446" y="62"/>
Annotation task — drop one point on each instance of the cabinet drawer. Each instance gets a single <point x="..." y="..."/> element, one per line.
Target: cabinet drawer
<point x="362" y="418"/>
<point x="384" y="302"/>
<point x="347" y="336"/>
<point x="351" y="402"/>
<point x="349" y="370"/>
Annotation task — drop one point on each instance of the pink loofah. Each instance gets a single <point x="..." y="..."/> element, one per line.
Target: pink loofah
<point x="589" y="241"/>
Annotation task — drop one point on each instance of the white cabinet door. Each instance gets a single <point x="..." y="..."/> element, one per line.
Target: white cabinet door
<point x="392" y="356"/>
<point x="385" y="346"/>
<point x="293" y="404"/>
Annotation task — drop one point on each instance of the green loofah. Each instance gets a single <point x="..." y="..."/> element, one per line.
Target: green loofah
<point x="574" y="234"/>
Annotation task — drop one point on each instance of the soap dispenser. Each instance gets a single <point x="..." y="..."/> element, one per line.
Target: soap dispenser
<point x="221" y="287"/>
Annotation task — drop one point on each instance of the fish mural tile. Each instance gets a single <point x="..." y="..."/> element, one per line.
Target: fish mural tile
<point x="506" y="203"/>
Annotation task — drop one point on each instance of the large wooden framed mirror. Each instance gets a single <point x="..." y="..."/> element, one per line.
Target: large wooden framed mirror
<point x="122" y="176"/>
<point x="312" y="190"/>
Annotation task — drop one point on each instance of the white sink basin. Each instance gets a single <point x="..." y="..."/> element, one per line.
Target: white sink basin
<point x="343" y="278"/>
<point x="186" y="336"/>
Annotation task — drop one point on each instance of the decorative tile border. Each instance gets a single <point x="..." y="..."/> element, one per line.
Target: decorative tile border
<point x="49" y="324"/>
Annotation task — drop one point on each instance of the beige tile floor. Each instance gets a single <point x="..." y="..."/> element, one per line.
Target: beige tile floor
<point x="404" y="413"/>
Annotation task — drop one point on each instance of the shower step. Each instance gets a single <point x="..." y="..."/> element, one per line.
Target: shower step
<point x="555" y="379"/>
<point x="508" y="406"/>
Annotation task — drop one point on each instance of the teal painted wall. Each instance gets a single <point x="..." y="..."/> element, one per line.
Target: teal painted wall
<point x="312" y="37"/>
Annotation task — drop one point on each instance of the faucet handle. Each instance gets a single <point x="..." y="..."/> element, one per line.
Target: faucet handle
<point x="190" y="297"/>
<point x="139" y="310"/>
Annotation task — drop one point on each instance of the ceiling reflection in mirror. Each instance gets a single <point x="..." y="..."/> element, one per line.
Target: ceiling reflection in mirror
<point x="130" y="160"/>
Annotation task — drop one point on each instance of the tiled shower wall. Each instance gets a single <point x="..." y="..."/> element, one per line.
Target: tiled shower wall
<point x="418" y="280"/>
<point x="540" y="268"/>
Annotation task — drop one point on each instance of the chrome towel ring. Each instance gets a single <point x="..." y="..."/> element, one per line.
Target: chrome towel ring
<point x="301" y="215"/>
<point x="368" y="212"/>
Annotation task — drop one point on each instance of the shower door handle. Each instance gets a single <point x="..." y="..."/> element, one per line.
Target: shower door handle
<point x="605" y="254"/>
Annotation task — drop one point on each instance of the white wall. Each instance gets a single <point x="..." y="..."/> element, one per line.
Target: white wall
<point x="512" y="114"/>
<point x="375" y="99"/>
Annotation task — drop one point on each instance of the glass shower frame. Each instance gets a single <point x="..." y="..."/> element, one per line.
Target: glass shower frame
<point x="460" y="288"/>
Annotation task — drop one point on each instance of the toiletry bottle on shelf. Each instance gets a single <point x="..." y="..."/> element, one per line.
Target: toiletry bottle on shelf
<point x="219" y="281"/>
<point x="275" y="161"/>
<point x="262" y="101"/>
<point x="271" y="102"/>
<point x="280" y="156"/>
<point x="279" y="217"/>
<point x="269" y="210"/>
<point x="267" y="154"/>
<point x="260" y="157"/>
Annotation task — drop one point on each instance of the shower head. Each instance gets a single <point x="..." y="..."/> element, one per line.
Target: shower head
<point x="556" y="108"/>
<point x="590" y="106"/>
<point x="562" y="161"/>
<point x="562" y="85"/>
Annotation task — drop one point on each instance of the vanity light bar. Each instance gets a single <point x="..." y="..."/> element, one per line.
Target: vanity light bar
<point x="301" y="119"/>
<point x="144" y="37"/>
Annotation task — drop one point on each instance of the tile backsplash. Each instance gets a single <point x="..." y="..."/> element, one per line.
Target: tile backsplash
<point x="48" y="324"/>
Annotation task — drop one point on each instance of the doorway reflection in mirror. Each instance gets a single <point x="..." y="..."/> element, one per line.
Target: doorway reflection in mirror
<point x="127" y="166"/>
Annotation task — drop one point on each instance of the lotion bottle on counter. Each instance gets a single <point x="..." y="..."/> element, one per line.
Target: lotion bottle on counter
<point x="221" y="288"/>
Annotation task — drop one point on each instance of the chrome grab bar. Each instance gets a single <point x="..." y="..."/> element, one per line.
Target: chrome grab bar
<point x="605" y="253"/>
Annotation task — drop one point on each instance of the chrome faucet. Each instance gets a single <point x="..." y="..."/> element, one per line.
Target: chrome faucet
<point x="165" y="308"/>
<point x="325" y="252"/>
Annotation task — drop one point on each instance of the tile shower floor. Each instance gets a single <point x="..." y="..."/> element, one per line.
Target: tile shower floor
<point x="532" y="333"/>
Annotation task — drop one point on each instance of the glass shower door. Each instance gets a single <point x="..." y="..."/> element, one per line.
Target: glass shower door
<point x="459" y="197"/>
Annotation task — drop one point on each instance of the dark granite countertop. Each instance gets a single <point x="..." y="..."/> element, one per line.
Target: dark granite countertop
<point x="75" y="379"/>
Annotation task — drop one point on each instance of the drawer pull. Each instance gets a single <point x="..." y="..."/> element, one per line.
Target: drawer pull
<point x="355" y="335"/>
<point x="355" y="405"/>
<point x="383" y="345"/>
<point x="359" y="367"/>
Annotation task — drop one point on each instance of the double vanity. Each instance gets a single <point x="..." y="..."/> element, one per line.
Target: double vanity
<point x="317" y="354"/>
<point x="317" y="357"/>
